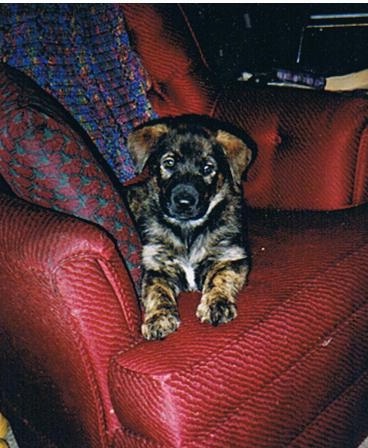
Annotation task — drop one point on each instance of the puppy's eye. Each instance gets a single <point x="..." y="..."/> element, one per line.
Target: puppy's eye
<point x="168" y="163"/>
<point x="208" y="168"/>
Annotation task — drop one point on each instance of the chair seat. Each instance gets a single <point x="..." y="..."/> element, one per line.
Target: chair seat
<point x="301" y="331"/>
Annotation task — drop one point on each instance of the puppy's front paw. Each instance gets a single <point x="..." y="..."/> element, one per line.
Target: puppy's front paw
<point x="216" y="311"/>
<point x="159" y="326"/>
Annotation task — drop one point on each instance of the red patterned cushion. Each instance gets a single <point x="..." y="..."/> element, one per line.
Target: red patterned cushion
<point x="46" y="161"/>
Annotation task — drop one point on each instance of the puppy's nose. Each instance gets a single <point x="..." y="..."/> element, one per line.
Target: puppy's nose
<point x="184" y="197"/>
<point x="184" y="200"/>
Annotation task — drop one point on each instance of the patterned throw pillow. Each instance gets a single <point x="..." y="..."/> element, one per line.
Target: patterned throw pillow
<point x="47" y="159"/>
<point x="81" y="55"/>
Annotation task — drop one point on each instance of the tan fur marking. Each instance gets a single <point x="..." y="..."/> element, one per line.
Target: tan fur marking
<point x="142" y="141"/>
<point x="237" y="151"/>
<point x="220" y="182"/>
<point x="218" y="302"/>
<point x="158" y="327"/>
<point x="160" y="311"/>
<point x="155" y="293"/>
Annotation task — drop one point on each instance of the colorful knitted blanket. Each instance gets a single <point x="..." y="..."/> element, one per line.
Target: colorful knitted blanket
<point x="81" y="55"/>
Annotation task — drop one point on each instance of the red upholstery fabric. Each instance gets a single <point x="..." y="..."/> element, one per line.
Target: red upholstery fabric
<point x="312" y="146"/>
<point x="181" y="81"/>
<point x="291" y="370"/>
<point x="67" y="305"/>
<point x="269" y="379"/>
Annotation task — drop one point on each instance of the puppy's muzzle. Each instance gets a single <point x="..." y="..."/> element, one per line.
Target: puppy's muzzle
<point x="184" y="201"/>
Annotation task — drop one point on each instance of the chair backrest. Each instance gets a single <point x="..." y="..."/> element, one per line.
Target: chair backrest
<point x="312" y="145"/>
<point x="181" y="80"/>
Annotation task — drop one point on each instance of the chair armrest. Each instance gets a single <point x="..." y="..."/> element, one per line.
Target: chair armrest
<point x="67" y="305"/>
<point x="312" y="145"/>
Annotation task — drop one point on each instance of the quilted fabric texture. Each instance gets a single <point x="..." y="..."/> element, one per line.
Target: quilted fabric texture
<point x="81" y="55"/>
<point x="47" y="163"/>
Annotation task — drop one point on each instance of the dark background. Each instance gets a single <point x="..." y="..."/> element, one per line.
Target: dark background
<point x="261" y="37"/>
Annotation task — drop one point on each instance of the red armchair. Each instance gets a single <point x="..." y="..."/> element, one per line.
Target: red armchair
<point x="291" y="370"/>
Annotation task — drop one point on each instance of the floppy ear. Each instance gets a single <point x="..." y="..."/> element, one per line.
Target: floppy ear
<point x="141" y="143"/>
<point x="238" y="153"/>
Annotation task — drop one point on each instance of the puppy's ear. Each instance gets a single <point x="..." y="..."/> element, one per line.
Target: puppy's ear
<point x="141" y="143"/>
<point x="238" y="153"/>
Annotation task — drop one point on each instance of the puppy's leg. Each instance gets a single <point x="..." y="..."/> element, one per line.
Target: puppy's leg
<point x="221" y="286"/>
<point x="161" y="315"/>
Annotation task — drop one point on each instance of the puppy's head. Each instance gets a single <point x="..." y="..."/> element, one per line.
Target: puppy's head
<point x="192" y="167"/>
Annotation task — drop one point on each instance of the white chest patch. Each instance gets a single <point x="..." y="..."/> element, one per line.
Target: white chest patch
<point x="189" y="275"/>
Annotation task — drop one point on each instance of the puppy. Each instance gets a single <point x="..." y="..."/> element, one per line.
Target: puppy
<point x="189" y="213"/>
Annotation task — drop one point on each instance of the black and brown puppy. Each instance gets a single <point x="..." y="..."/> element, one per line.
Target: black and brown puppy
<point x="190" y="217"/>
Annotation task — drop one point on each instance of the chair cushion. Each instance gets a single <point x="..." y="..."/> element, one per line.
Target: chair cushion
<point x="299" y="343"/>
<point x="48" y="160"/>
